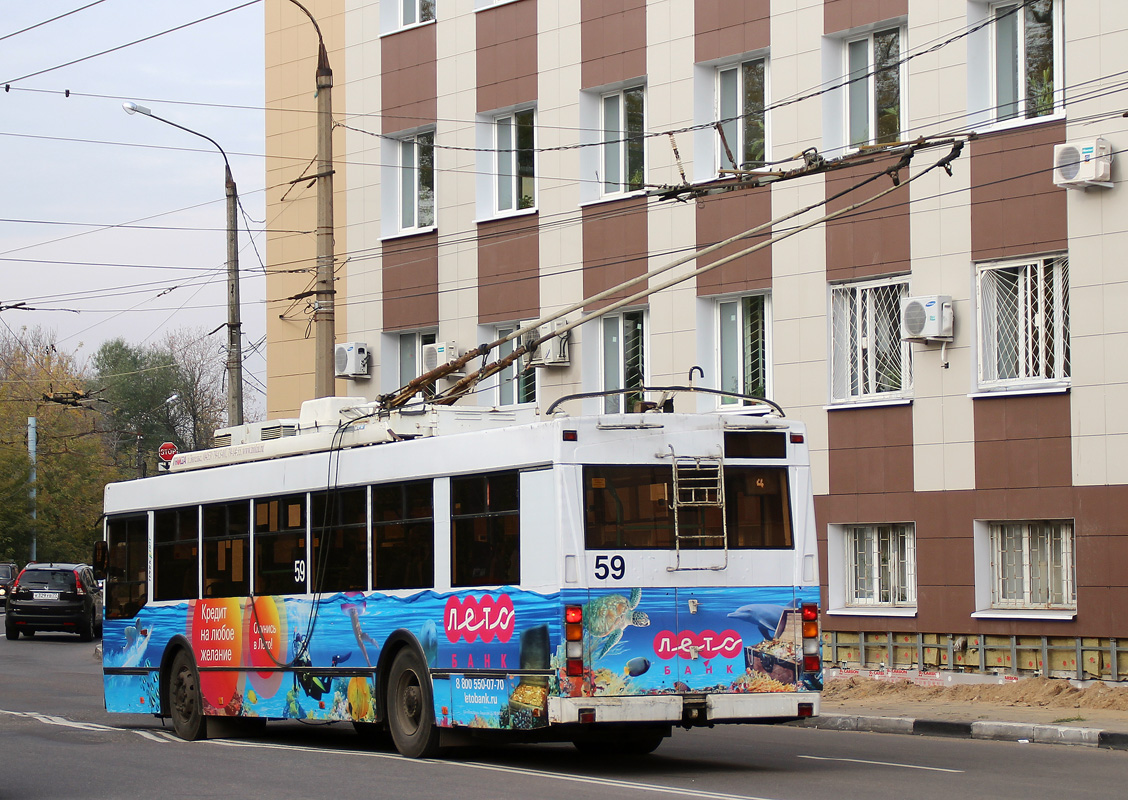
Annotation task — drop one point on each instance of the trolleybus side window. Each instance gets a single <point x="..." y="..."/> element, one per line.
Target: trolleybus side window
<point x="226" y="545"/>
<point x="280" y="545"/>
<point x="176" y="547"/>
<point x="403" y="535"/>
<point x="630" y="508"/>
<point x="485" y="530"/>
<point x="339" y="520"/>
<point x="127" y="581"/>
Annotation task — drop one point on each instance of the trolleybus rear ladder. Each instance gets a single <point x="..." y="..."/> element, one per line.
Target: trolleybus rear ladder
<point x="699" y="483"/>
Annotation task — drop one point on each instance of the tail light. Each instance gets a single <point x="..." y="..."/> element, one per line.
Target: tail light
<point x="811" y="645"/>
<point x="573" y="641"/>
<point x="78" y="584"/>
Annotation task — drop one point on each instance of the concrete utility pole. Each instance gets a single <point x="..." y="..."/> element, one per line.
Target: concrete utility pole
<point x="32" y="447"/>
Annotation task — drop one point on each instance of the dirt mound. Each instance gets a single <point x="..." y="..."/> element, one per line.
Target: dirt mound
<point x="1038" y="692"/>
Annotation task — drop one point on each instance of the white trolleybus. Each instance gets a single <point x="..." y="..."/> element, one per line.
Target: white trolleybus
<point x="452" y="572"/>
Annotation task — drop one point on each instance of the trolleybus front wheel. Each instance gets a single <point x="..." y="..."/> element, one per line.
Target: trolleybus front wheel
<point x="411" y="712"/>
<point x="184" y="699"/>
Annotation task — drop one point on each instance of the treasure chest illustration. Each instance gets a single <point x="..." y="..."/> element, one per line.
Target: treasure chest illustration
<point x="778" y="657"/>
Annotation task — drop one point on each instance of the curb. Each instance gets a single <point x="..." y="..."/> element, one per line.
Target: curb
<point x="997" y="731"/>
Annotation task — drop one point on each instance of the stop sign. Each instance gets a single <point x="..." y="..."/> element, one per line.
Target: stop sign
<point x="167" y="451"/>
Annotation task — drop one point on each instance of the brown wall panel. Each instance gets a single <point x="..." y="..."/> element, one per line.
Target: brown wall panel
<point x="717" y="34"/>
<point x="508" y="269"/>
<point x="408" y="78"/>
<point x="871" y="450"/>
<point x="1022" y="441"/>
<point x="1015" y="208"/>
<point x="842" y="15"/>
<point x="507" y="55"/>
<point x="723" y="216"/>
<point x="410" y="278"/>
<point x="874" y="240"/>
<point x="615" y="246"/>
<point x="612" y="41"/>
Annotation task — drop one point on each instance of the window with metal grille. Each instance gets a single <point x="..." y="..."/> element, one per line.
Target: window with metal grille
<point x="881" y="565"/>
<point x="517" y="383"/>
<point x="624" y="359"/>
<point x="743" y="351"/>
<point x="741" y="99"/>
<point x="1023" y="321"/>
<point x="1032" y="564"/>
<point x="868" y="358"/>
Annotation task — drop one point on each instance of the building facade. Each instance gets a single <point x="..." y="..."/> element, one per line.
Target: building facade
<point x="497" y="162"/>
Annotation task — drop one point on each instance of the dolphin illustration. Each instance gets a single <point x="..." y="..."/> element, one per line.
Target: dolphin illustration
<point x="765" y="616"/>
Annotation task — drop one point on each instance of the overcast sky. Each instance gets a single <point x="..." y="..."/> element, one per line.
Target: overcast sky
<point x="114" y="225"/>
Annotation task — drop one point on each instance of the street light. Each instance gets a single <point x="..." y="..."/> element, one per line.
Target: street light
<point x="234" y="326"/>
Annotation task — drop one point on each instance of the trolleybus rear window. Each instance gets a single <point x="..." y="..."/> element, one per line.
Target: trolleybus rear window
<point x="632" y="507"/>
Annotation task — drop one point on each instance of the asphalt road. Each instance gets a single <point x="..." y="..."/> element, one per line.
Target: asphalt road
<point x="57" y="741"/>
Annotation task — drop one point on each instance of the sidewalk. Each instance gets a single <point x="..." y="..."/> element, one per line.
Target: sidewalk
<point x="980" y="720"/>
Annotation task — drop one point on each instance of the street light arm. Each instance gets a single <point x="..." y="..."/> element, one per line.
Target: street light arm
<point x="322" y="55"/>
<point x="134" y="108"/>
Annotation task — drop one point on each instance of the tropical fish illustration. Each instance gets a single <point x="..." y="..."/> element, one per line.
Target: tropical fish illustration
<point x="429" y="639"/>
<point x="636" y="666"/>
<point x="354" y="608"/>
<point x="340" y="659"/>
<point x="606" y="617"/>
<point x="251" y="696"/>
<point x="765" y="616"/>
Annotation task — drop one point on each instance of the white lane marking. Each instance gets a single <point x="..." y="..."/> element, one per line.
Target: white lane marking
<point x="152" y="736"/>
<point x="882" y="763"/>
<point x="532" y="773"/>
<point x="47" y="719"/>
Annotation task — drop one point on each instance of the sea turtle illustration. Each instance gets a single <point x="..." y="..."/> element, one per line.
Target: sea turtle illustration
<point x="607" y="616"/>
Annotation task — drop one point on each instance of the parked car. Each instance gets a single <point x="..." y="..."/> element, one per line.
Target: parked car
<point x="54" y="597"/>
<point x="8" y="573"/>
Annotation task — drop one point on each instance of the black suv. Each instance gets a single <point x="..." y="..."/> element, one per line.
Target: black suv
<point x="8" y="573"/>
<point x="54" y="597"/>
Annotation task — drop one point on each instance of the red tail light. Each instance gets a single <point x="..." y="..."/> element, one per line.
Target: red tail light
<point x="810" y="612"/>
<point x="78" y="583"/>
<point x="573" y="641"/>
<point x="812" y="662"/>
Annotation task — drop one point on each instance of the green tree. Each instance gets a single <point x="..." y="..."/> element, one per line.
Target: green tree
<point x="72" y="463"/>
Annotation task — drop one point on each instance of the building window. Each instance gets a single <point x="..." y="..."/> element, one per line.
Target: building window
<point x="624" y="145"/>
<point x="873" y="108"/>
<point x="741" y="98"/>
<point x="515" y="144"/>
<point x="516" y="383"/>
<point x="1023" y="321"/>
<point x="411" y="358"/>
<point x="416" y="11"/>
<point x="743" y="350"/>
<point x="880" y="565"/>
<point x="417" y="182"/>
<point x="868" y="358"/>
<point x="624" y="359"/>
<point x="1032" y="564"/>
<point x="1026" y="44"/>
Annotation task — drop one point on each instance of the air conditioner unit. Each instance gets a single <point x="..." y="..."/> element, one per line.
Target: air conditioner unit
<point x="437" y="354"/>
<point x="350" y="360"/>
<point x="1086" y="162"/>
<point x="926" y="319"/>
<point x="550" y="353"/>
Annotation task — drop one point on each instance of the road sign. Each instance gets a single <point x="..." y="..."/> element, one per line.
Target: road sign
<point x="167" y="451"/>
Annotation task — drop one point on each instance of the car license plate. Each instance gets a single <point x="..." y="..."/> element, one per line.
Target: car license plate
<point x="45" y="595"/>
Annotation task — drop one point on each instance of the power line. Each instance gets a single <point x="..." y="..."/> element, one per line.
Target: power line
<point x="128" y="44"/>
<point x="48" y="21"/>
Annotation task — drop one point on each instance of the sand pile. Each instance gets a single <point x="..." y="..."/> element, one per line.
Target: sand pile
<point x="1038" y="692"/>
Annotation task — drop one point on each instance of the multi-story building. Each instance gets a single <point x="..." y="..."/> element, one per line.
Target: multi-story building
<point x="496" y="162"/>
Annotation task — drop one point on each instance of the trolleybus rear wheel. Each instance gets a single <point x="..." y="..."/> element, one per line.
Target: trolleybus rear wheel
<point x="411" y="712"/>
<point x="184" y="700"/>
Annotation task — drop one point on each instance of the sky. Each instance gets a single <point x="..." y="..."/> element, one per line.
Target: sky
<point x="114" y="225"/>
